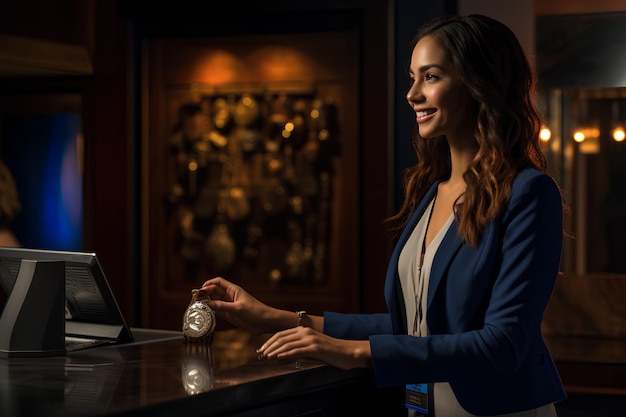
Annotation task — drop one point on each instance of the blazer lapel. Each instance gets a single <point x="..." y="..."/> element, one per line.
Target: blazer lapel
<point x="448" y="248"/>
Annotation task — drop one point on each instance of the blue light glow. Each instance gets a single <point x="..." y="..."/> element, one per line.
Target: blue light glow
<point x="42" y="151"/>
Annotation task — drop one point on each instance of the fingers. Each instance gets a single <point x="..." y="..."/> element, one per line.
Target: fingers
<point x="284" y="344"/>
<point x="214" y="291"/>
<point x="221" y="306"/>
<point x="217" y="288"/>
<point x="216" y="281"/>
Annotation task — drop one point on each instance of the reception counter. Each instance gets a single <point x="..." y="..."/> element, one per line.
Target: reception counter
<point x="160" y="375"/>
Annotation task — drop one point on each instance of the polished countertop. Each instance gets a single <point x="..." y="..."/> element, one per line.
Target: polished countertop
<point x="159" y="374"/>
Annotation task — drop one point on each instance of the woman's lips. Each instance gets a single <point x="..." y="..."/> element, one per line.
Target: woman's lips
<point x="424" y="115"/>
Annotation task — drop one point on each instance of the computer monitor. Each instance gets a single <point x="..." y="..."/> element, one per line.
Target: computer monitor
<point x="91" y="311"/>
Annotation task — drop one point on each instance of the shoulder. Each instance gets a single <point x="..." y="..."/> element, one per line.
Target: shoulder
<point x="531" y="180"/>
<point x="531" y="174"/>
<point x="533" y="188"/>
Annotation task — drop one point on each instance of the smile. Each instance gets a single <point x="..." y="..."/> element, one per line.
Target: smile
<point x="424" y="115"/>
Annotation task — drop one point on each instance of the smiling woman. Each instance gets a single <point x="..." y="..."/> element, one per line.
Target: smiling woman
<point x="478" y="245"/>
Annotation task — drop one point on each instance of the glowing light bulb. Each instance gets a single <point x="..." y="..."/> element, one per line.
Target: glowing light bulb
<point x="545" y="134"/>
<point x="618" y="134"/>
<point x="579" y="136"/>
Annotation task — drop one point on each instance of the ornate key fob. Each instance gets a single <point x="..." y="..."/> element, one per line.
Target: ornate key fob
<point x="199" y="318"/>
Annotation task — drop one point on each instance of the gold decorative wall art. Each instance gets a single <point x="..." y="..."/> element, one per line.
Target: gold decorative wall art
<point x="251" y="169"/>
<point x="252" y="190"/>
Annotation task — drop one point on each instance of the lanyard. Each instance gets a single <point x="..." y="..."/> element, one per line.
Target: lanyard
<point x="421" y="279"/>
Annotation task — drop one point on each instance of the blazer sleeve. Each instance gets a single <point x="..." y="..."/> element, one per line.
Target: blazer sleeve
<point x="356" y="326"/>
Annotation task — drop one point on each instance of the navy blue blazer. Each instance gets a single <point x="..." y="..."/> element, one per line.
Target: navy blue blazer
<point x="485" y="307"/>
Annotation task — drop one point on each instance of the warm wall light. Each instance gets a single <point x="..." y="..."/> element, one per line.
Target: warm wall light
<point x="588" y="139"/>
<point x="579" y="136"/>
<point x="545" y="134"/>
<point x="618" y="133"/>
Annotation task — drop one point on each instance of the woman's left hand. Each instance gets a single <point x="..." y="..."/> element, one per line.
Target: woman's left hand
<point x="303" y="342"/>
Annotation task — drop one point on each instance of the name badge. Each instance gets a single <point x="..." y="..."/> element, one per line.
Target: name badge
<point x="417" y="397"/>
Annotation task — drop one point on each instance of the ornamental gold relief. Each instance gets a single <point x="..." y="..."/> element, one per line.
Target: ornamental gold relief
<point x="253" y="178"/>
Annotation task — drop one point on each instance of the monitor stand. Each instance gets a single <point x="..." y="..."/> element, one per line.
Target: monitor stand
<point x="33" y="321"/>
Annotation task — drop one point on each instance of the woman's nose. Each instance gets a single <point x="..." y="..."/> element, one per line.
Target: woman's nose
<point x="414" y="94"/>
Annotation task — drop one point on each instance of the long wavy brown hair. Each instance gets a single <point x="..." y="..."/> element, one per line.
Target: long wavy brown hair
<point x="493" y="67"/>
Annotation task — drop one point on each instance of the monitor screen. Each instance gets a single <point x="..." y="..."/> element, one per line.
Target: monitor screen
<point x="91" y="310"/>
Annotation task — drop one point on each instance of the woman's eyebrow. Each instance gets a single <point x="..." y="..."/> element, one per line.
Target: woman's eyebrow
<point x="426" y="67"/>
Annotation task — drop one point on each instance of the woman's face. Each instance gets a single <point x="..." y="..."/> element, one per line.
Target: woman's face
<point x="441" y="102"/>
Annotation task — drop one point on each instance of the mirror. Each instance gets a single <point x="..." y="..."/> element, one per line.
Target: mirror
<point x="587" y="152"/>
<point x="582" y="82"/>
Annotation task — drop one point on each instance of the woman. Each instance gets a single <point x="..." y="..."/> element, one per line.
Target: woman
<point x="479" y="249"/>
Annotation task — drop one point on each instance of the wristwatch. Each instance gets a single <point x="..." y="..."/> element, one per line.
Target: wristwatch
<point x="199" y="318"/>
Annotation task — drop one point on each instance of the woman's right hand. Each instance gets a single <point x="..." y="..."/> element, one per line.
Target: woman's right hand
<point x="235" y="305"/>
